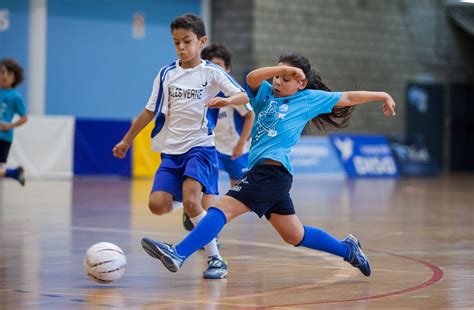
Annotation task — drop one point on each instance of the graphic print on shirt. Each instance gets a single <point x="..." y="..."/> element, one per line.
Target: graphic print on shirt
<point x="267" y="120"/>
<point x="3" y="109"/>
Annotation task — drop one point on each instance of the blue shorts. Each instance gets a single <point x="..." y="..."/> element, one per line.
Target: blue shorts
<point x="234" y="167"/>
<point x="199" y="163"/>
<point x="265" y="189"/>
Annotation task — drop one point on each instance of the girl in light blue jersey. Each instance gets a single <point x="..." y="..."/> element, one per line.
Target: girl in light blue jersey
<point x="282" y="109"/>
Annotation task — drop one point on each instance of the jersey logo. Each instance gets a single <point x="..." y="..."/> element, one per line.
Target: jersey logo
<point x="267" y="120"/>
<point x="239" y="184"/>
<point x="204" y="84"/>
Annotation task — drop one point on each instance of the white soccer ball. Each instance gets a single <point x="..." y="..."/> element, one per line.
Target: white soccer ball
<point x="105" y="262"/>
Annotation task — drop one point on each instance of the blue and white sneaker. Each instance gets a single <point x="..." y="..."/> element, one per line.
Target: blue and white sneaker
<point x="356" y="257"/>
<point x="216" y="268"/>
<point x="165" y="252"/>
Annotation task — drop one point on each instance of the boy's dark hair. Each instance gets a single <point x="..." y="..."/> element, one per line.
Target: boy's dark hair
<point x="12" y="66"/>
<point x="189" y="22"/>
<point x="217" y="50"/>
<point x="339" y="117"/>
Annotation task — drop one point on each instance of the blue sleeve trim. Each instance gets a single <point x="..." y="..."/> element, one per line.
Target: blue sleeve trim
<point x="210" y="64"/>
<point x="160" y="96"/>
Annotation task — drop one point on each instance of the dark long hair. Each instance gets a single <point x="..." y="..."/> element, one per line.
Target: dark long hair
<point x="339" y="117"/>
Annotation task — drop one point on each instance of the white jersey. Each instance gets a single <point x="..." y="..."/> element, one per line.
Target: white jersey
<point x="229" y="128"/>
<point x="179" y="98"/>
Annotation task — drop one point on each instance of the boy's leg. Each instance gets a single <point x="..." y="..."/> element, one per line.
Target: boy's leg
<point x="208" y="228"/>
<point x="217" y="268"/>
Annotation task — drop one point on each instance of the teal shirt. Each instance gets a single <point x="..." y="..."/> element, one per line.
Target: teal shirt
<point x="279" y="122"/>
<point x="11" y="103"/>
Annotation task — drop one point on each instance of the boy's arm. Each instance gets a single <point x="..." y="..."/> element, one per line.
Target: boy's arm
<point x="256" y="77"/>
<point x="17" y="123"/>
<point x="120" y="150"/>
<point x="351" y="98"/>
<point x="245" y="135"/>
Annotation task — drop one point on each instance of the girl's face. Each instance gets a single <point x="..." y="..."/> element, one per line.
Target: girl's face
<point x="6" y="78"/>
<point x="285" y="86"/>
<point x="188" y="47"/>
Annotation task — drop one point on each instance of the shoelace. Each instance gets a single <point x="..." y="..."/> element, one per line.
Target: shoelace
<point x="215" y="262"/>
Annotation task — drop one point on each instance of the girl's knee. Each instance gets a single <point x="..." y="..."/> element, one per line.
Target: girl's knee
<point x="292" y="238"/>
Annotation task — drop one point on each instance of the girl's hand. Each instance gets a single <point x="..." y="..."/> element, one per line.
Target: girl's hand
<point x="295" y="73"/>
<point x="218" y="102"/>
<point x="120" y="150"/>
<point x="389" y="106"/>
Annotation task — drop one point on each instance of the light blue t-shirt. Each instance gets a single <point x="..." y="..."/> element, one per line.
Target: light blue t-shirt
<point x="11" y="103"/>
<point x="279" y="122"/>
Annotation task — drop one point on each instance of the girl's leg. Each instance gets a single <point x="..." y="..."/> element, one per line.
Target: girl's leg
<point x="292" y="231"/>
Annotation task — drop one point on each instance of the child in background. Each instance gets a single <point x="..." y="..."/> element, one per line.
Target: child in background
<point x="283" y="108"/>
<point x="11" y="103"/>
<point x="233" y="127"/>
<point x="184" y="127"/>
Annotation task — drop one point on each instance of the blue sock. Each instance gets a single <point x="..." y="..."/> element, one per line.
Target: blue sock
<point x="318" y="239"/>
<point x="207" y="229"/>
<point x="11" y="173"/>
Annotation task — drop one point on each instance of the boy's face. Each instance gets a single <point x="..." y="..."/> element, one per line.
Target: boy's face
<point x="221" y="63"/>
<point x="6" y="78"/>
<point x="187" y="45"/>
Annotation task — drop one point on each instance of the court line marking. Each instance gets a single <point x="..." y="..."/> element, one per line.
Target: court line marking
<point x="437" y="275"/>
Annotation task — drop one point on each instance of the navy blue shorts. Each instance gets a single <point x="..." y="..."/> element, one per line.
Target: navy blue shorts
<point x="234" y="167"/>
<point x="4" y="150"/>
<point x="199" y="163"/>
<point x="265" y="189"/>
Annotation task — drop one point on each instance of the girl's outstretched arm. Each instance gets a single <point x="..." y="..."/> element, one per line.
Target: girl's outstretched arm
<point x="257" y="76"/>
<point x="351" y="98"/>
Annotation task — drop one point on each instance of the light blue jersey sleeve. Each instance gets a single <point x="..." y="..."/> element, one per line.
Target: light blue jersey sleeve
<point x="257" y="98"/>
<point x="321" y="102"/>
<point x="19" y="106"/>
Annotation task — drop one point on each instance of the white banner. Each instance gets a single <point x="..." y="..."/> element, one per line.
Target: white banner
<point x="44" y="147"/>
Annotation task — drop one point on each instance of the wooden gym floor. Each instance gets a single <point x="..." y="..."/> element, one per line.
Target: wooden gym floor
<point x="418" y="234"/>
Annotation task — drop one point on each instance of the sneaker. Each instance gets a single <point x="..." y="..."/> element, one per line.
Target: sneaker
<point x="165" y="252"/>
<point x="216" y="268"/>
<point x="188" y="225"/>
<point x="20" y="177"/>
<point x="356" y="257"/>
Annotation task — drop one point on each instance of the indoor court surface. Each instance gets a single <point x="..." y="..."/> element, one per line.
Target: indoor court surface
<point x="417" y="232"/>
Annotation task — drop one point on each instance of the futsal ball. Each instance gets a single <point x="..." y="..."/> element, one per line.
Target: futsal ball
<point x="105" y="262"/>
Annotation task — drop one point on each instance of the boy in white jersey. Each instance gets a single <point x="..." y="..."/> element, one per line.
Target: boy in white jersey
<point x="183" y="129"/>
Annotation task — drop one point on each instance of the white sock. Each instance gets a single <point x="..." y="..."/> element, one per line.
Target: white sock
<point x="176" y="205"/>
<point x="211" y="247"/>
